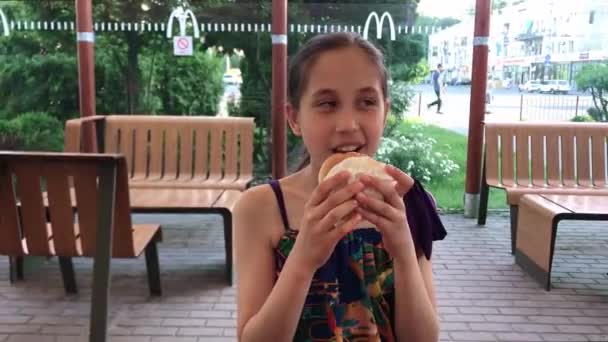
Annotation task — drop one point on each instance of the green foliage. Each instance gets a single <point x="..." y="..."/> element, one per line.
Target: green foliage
<point x="40" y="132"/>
<point x="401" y="95"/>
<point x="193" y="85"/>
<point x="415" y="154"/>
<point x="39" y="83"/>
<point x="582" y="118"/>
<point x="594" y="78"/>
<point x="31" y="131"/>
<point x="9" y="135"/>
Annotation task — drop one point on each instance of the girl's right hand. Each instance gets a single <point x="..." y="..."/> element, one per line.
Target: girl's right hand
<point x="329" y="214"/>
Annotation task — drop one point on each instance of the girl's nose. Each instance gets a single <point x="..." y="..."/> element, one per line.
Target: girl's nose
<point x="347" y="121"/>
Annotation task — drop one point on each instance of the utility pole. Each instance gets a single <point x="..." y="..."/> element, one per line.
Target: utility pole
<point x="478" y="107"/>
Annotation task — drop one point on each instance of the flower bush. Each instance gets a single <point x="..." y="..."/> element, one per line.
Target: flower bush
<point x="414" y="154"/>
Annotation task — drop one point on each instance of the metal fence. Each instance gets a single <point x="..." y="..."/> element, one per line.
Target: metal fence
<point x="553" y="107"/>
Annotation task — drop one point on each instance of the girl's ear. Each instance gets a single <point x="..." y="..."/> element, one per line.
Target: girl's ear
<point x="292" y="119"/>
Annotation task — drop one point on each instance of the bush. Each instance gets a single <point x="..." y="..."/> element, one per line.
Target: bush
<point x="400" y="95"/>
<point x="582" y="118"/>
<point x="597" y="114"/>
<point x="414" y="155"/>
<point x="9" y="135"/>
<point x="39" y="132"/>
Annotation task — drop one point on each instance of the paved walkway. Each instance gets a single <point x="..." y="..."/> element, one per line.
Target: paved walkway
<point x="482" y="295"/>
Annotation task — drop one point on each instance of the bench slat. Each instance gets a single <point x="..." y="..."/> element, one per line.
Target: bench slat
<point x="216" y="152"/>
<point x="553" y="159"/>
<point x="568" y="166"/>
<point x="201" y="156"/>
<point x="491" y="156"/>
<point x="507" y="157"/>
<point x="583" y="159"/>
<point x="171" y="153"/>
<point x="140" y="153"/>
<point x="60" y="209"/>
<point x="10" y="244"/>
<point x="33" y="216"/>
<point x="186" y="150"/>
<point x="246" y="150"/>
<point x="156" y="157"/>
<point x="537" y="158"/>
<point x="85" y="186"/>
<point x="600" y="158"/>
<point x="231" y="153"/>
<point x="522" y="159"/>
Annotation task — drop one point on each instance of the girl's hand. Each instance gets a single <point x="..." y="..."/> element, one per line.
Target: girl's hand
<point x="389" y="215"/>
<point x="329" y="214"/>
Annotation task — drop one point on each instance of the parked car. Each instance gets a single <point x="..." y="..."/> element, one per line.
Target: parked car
<point x="530" y="86"/>
<point x="555" y="86"/>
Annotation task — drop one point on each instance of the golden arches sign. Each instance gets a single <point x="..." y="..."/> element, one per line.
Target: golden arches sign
<point x="379" y="24"/>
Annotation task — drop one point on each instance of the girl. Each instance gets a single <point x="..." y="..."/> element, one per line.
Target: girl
<point x="302" y="278"/>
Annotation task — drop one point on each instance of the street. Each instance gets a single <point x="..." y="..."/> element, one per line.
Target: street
<point x="506" y="105"/>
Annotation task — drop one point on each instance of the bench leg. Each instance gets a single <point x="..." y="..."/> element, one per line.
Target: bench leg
<point x="227" y="216"/>
<point x="153" y="269"/>
<point x="514" y="213"/>
<point x="15" y="268"/>
<point x="67" y="273"/>
<point x="535" y="254"/>
<point x="483" y="204"/>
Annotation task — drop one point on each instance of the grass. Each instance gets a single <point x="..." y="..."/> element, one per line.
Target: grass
<point x="449" y="192"/>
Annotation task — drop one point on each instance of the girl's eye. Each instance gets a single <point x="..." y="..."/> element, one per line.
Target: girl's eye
<point x="326" y="104"/>
<point x="369" y="102"/>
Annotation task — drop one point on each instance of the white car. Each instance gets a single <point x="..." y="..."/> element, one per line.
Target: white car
<point x="555" y="86"/>
<point x="530" y="86"/>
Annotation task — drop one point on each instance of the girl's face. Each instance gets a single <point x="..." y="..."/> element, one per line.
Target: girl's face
<point x="342" y="107"/>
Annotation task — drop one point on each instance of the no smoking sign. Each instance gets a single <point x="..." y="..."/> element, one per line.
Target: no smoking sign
<point x="182" y="46"/>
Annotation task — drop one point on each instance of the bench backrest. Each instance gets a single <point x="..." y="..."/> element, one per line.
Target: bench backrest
<point x="37" y="203"/>
<point x="546" y="154"/>
<point x="179" y="147"/>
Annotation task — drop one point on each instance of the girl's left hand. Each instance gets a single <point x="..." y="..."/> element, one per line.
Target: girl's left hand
<point x="389" y="215"/>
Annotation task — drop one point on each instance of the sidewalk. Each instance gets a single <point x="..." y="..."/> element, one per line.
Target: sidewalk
<point x="482" y="294"/>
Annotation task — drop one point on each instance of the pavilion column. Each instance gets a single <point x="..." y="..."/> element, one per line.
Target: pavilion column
<point x="478" y="107"/>
<point x="279" y="88"/>
<point x="86" y="70"/>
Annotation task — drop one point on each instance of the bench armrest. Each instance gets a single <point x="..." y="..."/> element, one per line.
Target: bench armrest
<point x="73" y="132"/>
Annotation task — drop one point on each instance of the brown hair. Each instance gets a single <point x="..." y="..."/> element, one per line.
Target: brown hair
<point x="304" y="59"/>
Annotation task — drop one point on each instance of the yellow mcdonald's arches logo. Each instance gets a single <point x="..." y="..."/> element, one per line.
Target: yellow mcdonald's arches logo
<point x="5" y="28"/>
<point x="379" y="24"/>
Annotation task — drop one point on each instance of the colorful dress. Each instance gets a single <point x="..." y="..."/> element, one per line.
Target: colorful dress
<point x="352" y="296"/>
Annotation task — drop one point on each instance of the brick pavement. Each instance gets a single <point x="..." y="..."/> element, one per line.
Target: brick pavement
<point x="482" y="295"/>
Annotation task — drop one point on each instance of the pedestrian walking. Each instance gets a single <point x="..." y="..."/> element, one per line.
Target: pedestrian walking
<point x="438" y="86"/>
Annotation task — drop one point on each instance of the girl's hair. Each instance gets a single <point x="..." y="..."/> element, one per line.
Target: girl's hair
<point x="304" y="59"/>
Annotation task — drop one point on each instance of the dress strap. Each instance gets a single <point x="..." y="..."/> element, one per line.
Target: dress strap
<point x="276" y="187"/>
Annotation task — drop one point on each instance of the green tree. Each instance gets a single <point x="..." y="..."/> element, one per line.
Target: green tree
<point x="594" y="78"/>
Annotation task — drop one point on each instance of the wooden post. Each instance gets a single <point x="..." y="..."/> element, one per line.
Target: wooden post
<point x="86" y="70"/>
<point x="478" y="107"/>
<point x="279" y="88"/>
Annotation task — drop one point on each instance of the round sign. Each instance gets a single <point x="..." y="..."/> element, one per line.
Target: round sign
<point x="183" y="43"/>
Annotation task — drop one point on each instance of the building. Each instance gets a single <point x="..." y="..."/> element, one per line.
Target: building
<point x="533" y="39"/>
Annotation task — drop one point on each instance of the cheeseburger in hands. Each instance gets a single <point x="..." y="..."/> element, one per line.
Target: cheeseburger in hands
<point x="356" y="164"/>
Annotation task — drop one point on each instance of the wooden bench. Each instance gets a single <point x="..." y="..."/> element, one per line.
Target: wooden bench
<point x="537" y="223"/>
<point x="38" y="217"/>
<point x="180" y="164"/>
<point x="543" y="158"/>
